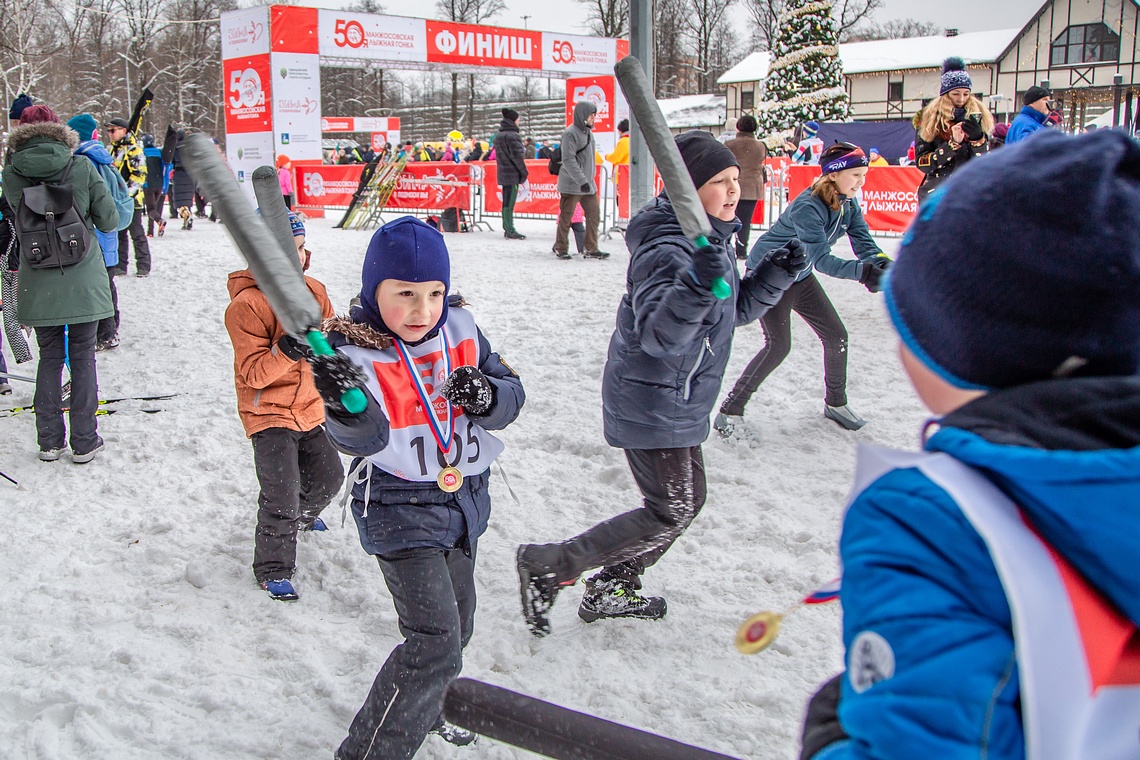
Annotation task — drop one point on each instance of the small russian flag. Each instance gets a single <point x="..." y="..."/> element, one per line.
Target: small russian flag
<point x="828" y="592"/>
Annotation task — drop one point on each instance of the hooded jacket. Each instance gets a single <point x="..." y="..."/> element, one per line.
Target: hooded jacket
<point x="77" y="294"/>
<point x="509" y="154"/>
<point x="577" y="174"/>
<point x="1067" y="453"/>
<point x="815" y="224"/>
<point x="667" y="355"/>
<point x="131" y="163"/>
<point x="94" y="150"/>
<point x="273" y="391"/>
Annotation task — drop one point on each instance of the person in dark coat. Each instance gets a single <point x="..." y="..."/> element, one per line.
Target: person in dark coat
<point x="818" y="217"/>
<point x="156" y="186"/>
<point x="952" y="129"/>
<point x="182" y="185"/>
<point x="529" y="149"/>
<point x="663" y="372"/>
<point x="511" y="165"/>
<point x="751" y="154"/>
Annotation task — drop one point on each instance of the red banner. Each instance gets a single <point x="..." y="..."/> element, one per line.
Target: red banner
<point x="327" y="185"/>
<point x="600" y="92"/>
<point x="433" y="185"/>
<point x="538" y="195"/>
<point x="247" y="94"/>
<point x="889" y="197"/>
<point x="483" y="45"/>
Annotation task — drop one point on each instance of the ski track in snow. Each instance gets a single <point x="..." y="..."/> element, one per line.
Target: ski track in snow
<point x="132" y="626"/>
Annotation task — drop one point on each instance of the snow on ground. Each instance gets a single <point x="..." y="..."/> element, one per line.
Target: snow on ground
<point x="132" y="626"/>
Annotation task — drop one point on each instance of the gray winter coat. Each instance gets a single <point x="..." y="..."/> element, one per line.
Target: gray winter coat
<point x="577" y="174"/>
<point x="668" y="353"/>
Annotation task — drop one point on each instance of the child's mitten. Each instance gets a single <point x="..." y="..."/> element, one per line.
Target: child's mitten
<point x="469" y="388"/>
<point x="334" y="375"/>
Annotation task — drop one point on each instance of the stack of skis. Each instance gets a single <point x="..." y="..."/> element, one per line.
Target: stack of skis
<point x="376" y="185"/>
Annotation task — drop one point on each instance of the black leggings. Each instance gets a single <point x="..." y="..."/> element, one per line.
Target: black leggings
<point x="808" y="299"/>
<point x="744" y="211"/>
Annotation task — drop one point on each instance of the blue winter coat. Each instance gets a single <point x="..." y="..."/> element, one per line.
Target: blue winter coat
<point x="818" y="226"/>
<point x="403" y="514"/>
<point x="668" y="352"/>
<point x="1024" y="124"/>
<point x="916" y="572"/>
<point x="101" y="157"/>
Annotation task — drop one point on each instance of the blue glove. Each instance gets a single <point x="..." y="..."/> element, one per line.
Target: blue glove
<point x="708" y="264"/>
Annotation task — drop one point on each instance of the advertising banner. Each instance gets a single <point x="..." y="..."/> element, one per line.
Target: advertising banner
<point x="571" y="52"/>
<point x="599" y="91"/>
<point x="248" y="87"/>
<point x="449" y="42"/>
<point x="297" y="105"/>
<point x="294" y="29"/>
<point x="889" y="197"/>
<point x="538" y="195"/>
<point x="244" y="153"/>
<point x="367" y="35"/>
<point x="245" y="33"/>
<point x="327" y="185"/>
<point x="433" y="185"/>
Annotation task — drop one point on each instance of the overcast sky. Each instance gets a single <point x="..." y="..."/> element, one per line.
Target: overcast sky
<point x="569" y="16"/>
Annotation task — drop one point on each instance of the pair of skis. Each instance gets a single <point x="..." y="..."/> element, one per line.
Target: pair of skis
<point x="106" y="405"/>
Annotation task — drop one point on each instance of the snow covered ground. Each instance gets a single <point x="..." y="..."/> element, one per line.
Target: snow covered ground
<point x="131" y="626"/>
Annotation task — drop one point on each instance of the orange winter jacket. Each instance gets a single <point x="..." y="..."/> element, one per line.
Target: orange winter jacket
<point x="273" y="391"/>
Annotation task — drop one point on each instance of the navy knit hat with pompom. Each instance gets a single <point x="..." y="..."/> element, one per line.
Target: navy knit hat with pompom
<point x="994" y="286"/>
<point x="954" y="76"/>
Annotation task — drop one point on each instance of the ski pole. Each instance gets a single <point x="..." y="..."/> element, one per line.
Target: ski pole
<point x="10" y="376"/>
<point x="687" y="204"/>
<point x="2" y="475"/>
<point x="279" y="278"/>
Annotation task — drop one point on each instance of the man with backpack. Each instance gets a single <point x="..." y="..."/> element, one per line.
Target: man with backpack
<point x="131" y="163"/>
<point x="576" y="185"/>
<point x="63" y="280"/>
<point x="85" y="126"/>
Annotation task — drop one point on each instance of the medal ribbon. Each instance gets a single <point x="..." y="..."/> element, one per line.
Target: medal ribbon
<point x="438" y="429"/>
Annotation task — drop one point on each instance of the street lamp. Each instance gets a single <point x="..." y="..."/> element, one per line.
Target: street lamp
<point x="127" y="74"/>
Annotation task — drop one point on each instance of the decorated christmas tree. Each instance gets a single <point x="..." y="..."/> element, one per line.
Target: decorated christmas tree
<point x="805" y="79"/>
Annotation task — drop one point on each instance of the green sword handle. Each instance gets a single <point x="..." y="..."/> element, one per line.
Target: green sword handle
<point x="353" y="399"/>
<point x="720" y="287"/>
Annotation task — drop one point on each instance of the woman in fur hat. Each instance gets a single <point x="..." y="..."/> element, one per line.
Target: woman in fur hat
<point x="952" y="128"/>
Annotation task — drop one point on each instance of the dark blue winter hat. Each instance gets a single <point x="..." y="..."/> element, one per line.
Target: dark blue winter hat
<point x="1026" y="266"/>
<point x="811" y="128"/>
<point x="85" y="125"/>
<point x="954" y="76"/>
<point x="404" y="249"/>
<point x="21" y="102"/>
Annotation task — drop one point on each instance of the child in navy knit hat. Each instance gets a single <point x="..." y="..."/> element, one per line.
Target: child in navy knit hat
<point x="990" y="597"/>
<point x="420" y="493"/>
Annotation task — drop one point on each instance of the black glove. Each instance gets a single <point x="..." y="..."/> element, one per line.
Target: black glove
<point x="973" y="129"/>
<point x="792" y="257"/>
<point x="708" y="264"/>
<point x="958" y="116"/>
<point x="469" y="388"/>
<point x="333" y="375"/>
<point x="821" y="726"/>
<point x="873" y="270"/>
<point x="293" y="348"/>
<point x="586" y="189"/>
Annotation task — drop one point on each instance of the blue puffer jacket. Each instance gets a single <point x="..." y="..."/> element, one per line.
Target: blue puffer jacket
<point x="404" y="514"/>
<point x="667" y="355"/>
<point x="917" y="573"/>
<point x="99" y="155"/>
<point x="1024" y="124"/>
<point x="817" y="226"/>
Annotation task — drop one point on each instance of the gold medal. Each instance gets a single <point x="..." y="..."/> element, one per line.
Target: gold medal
<point x="449" y="479"/>
<point x="757" y="632"/>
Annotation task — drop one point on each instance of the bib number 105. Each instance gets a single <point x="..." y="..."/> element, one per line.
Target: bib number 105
<point x="456" y="453"/>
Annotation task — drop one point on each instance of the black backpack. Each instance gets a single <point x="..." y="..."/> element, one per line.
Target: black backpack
<point x="51" y="231"/>
<point x="555" y="164"/>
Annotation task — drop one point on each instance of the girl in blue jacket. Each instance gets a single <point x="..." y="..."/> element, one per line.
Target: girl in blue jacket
<point x="420" y="481"/>
<point x="663" y="373"/>
<point x="818" y="217"/>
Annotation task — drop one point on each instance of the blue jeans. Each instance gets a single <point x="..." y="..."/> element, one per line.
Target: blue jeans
<point x="51" y="433"/>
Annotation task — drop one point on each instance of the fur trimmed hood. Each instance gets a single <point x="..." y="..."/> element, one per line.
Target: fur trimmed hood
<point x="356" y="333"/>
<point x="19" y="137"/>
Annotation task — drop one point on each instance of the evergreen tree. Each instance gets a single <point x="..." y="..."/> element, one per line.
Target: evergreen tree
<point x="805" y="80"/>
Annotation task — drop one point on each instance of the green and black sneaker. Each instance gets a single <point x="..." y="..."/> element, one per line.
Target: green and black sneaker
<point x="617" y="598"/>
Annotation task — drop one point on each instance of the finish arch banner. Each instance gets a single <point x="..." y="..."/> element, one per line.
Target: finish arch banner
<point x="889" y="197"/>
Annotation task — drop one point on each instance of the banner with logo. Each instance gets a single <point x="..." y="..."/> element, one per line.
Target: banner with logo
<point x="327" y="185"/>
<point x="244" y="153"/>
<point x="433" y="185"/>
<point x="247" y="96"/>
<point x="388" y="125"/>
<point x="599" y="91"/>
<point x="538" y="195"/>
<point x="245" y="33"/>
<point x="889" y="197"/>
<point x="571" y="52"/>
<point x="342" y="34"/>
<point x="297" y="105"/>
<point x="473" y="45"/>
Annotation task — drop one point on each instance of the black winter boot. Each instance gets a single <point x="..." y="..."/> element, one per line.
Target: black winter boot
<point x="538" y="586"/>
<point x="609" y="597"/>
